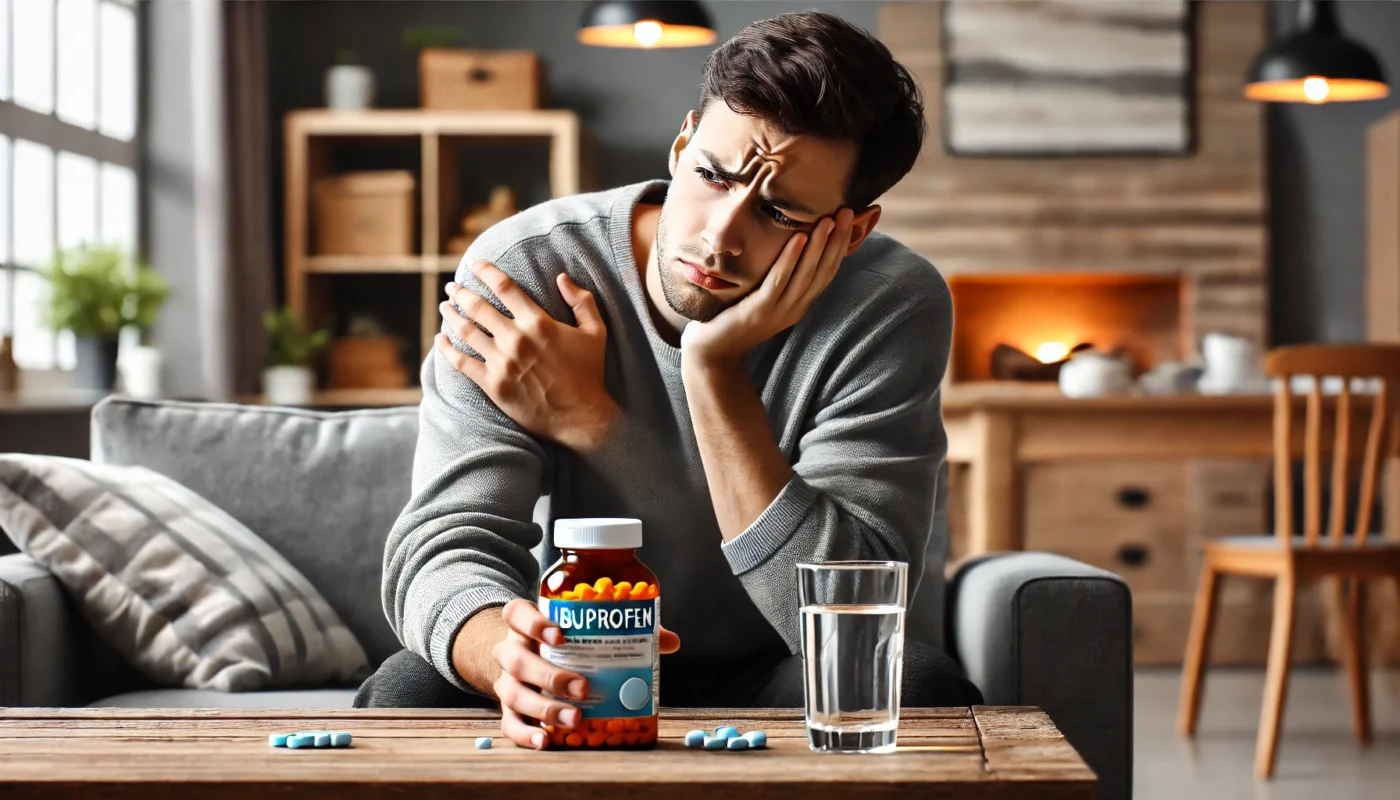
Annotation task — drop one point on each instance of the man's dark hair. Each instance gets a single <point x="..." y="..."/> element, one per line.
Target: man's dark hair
<point x="813" y="73"/>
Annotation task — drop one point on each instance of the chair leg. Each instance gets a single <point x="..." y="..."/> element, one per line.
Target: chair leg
<point x="1276" y="679"/>
<point x="1197" y="648"/>
<point x="1357" y="667"/>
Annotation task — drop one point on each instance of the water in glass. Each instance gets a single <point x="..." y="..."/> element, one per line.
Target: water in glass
<point x="853" y="657"/>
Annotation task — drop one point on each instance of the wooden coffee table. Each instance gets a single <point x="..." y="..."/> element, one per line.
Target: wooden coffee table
<point x="148" y="754"/>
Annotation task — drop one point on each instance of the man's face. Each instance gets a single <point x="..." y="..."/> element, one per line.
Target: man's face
<point x="740" y="189"/>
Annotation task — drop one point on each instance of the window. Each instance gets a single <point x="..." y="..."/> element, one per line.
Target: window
<point x="68" y="151"/>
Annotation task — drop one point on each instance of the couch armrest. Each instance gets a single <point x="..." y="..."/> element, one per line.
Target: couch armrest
<point x="40" y="638"/>
<point x="1036" y="629"/>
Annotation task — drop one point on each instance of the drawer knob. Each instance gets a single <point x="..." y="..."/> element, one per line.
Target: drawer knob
<point x="479" y="75"/>
<point x="1134" y="555"/>
<point x="1134" y="497"/>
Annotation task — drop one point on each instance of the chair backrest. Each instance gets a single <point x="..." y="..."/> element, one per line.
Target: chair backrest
<point x="1375" y="369"/>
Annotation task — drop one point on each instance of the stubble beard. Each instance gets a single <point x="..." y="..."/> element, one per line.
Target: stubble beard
<point x="684" y="298"/>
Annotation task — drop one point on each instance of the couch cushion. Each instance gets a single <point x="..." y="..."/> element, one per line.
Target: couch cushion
<point x="322" y="488"/>
<point x="196" y="698"/>
<point x="184" y="591"/>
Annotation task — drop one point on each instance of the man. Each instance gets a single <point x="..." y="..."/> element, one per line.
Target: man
<point x="732" y="356"/>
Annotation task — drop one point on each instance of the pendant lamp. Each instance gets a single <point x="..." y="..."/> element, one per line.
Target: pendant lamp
<point x="646" y="24"/>
<point x="1316" y="64"/>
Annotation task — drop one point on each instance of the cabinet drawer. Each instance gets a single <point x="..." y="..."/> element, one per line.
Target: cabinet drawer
<point x="1063" y="497"/>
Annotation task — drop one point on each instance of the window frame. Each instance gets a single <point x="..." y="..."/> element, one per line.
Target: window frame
<point x="49" y="130"/>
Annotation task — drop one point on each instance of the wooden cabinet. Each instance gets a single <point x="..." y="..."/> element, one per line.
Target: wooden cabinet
<point x="1147" y="521"/>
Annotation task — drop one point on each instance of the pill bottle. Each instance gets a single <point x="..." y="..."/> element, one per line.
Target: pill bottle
<point x="608" y="605"/>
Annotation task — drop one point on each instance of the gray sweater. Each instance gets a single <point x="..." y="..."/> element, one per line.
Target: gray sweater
<point x="852" y="393"/>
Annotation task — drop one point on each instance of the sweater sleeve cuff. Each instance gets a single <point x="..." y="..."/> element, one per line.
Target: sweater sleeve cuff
<point x="773" y="528"/>
<point x="454" y="615"/>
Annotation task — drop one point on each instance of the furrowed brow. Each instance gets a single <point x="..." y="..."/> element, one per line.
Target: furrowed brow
<point x="726" y="174"/>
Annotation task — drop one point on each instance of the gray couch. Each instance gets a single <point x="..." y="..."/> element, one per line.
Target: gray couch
<point x="324" y="488"/>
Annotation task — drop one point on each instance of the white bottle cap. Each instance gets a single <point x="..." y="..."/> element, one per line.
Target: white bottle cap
<point x="598" y="533"/>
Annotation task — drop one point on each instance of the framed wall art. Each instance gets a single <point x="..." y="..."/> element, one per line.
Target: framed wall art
<point x="1068" y="77"/>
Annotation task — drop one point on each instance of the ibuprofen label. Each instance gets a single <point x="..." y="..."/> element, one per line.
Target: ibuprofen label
<point x="613" y="645"/>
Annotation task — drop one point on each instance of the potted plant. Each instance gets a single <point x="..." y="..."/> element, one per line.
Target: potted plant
<point x="288" y="379"/>
<point x="96" y="291"/>
<point x="349" y="82"/>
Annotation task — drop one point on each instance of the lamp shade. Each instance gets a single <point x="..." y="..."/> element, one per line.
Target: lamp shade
<point x="646" y="24"/>
<point x="1316" y="64"/>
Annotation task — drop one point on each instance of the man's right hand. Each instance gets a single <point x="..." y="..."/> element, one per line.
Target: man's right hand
<point x="497" y="651"/>
<point x="516" y="672"/>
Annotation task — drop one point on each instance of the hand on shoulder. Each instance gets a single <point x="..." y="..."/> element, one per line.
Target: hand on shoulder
<point x="544" y="374"/>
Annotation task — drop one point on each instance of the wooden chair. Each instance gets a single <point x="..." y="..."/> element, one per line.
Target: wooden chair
<point x="1293" y="559"/>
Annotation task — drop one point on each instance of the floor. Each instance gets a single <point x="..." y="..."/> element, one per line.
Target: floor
<point x="1318" y="758"/>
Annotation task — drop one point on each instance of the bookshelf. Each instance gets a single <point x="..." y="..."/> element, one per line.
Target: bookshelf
<point x="429" y="143"/>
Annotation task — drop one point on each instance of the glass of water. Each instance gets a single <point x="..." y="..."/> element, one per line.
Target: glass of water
<point x="852" y="653"/>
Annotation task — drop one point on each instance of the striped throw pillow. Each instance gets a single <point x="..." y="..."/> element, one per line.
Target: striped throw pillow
<point x="186" y="592"/>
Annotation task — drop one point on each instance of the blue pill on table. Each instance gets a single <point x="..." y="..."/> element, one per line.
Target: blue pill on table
<point x="756" y="739"/>
<point x="340" y="739"/>
<point x="695" y="738"/>
<point x="738" y="743"/>
<point x="727" y="732"/>
<point x="483" y="742"/>
<point x="278" y="739"/>
<point x="322" y="739"/>
<point x="714" y="743"/>
<point x="298" y="742"/>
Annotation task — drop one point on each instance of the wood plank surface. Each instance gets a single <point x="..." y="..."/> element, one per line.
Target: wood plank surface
<point x="155" y="753"/>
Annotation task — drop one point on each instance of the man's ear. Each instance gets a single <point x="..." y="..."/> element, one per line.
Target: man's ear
<point x="682" y="140"/>
<point x="861" y="226"/>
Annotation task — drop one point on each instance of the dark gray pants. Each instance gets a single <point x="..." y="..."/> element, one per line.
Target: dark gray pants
<point x="930" y="678"/>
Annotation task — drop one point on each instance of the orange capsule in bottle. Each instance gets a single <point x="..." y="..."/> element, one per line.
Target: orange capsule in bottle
<point x="610" y="629"/>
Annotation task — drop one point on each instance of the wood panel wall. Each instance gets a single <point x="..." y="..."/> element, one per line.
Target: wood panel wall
<point x="1202" y="216"/>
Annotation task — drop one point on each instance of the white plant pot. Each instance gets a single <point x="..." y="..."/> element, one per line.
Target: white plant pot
<point x="349" y="87"/>
<point x="140" y="371"/>
<point x="289" y="386"/>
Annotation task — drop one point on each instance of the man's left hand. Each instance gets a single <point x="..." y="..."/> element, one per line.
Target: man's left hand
<point x="545" y="375"/>
<point x="802" y="272"/>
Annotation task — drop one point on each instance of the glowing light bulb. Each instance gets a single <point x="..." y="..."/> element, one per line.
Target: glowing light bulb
<point x="1050" y="352"/>
<point x="1316" y="89"/>
<point x="647" y="32"/>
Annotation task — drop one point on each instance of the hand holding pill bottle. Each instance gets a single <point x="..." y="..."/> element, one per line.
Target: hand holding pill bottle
<point x="608" y="605"/>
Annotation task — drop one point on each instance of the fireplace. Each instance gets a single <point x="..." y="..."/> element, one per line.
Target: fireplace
<point x="1046" y="316"/>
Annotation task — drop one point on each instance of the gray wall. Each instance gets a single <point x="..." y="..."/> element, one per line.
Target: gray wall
<point x="633" y="101"/>
<point x="1317" y="165"/>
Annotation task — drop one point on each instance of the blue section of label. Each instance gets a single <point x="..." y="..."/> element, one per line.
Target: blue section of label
<point x="605" y="690"/>
<point x="613" y="645"/>
<point x="612" y="618"/>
